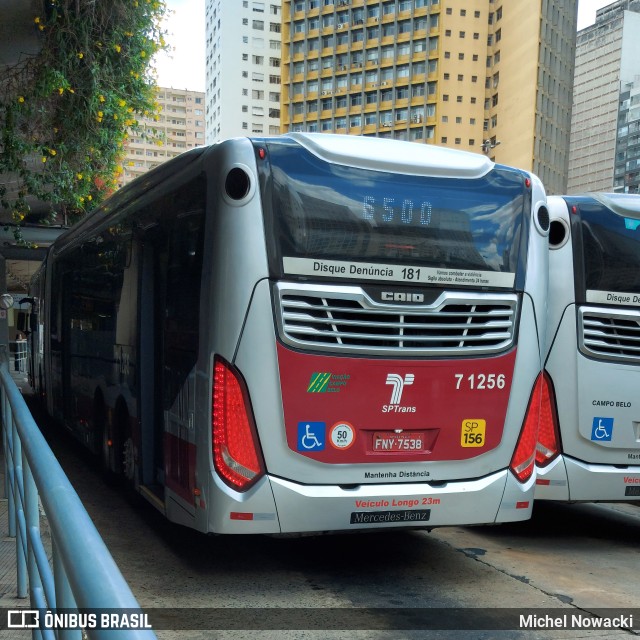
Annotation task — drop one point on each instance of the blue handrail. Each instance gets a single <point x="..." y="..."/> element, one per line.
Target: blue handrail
<point x="83" y="575"/>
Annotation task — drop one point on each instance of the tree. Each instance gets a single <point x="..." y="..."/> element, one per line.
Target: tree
<point x="66" y="112"/>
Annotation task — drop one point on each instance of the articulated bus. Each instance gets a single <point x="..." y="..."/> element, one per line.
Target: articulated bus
<point x="306" y="333"/>
<point x="589" y="447"/>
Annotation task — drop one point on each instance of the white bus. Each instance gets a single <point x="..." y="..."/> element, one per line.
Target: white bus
<point x="306" y="333"/>
<point x="589" y="443"/>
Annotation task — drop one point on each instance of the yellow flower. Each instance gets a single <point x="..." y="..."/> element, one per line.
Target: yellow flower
<point x="79" y="176"/>
<point x="44" y="158"/>
<point x="81" y="199"/>
<point x="52" y="152"/>
<point x="99" y="119"/>
<point x="122" y="103"/>
<point x="89" y="198"/>
<point x="81" y="55"/>
<point x="143" y="54"/>
<point x="41" y="27"/>
<point x="71" y="90"/>
<point x="37" y="20"/>
<point x="102" y="99"/>
<point x="100" y="114"/>
<point x="60" y="90"/>
<point x="20" y="98"/>
<point x="115" y="116"/>
<point x="118" y="48"/>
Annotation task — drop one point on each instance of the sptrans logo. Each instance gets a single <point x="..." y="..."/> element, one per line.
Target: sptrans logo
<point x="399" y="383"/>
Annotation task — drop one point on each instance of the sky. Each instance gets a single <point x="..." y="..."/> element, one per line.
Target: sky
<point x="184" y="68"/>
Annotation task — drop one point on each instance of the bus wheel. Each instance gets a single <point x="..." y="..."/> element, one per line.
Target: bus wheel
<point x="128" y="464"/>
<point x="125" y="448"/>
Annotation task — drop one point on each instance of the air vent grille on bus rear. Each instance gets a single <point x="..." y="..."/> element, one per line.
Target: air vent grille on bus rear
<point x="333" y="318"/>
<point x="610" y="334"/>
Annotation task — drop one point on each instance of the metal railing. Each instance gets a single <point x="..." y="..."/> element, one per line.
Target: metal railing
<point x="82" y="574"/>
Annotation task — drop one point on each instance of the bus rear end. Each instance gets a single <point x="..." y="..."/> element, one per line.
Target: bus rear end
<point x="589" y="447"/>
<point x="379" y="360"/>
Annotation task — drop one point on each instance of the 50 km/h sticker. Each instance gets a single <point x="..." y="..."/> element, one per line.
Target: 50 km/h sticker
<point x="473" y="432"/>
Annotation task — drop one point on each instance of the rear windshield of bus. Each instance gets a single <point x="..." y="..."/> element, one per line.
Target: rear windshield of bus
<point x="322" y="211"/>
<point x="609" y="231"/>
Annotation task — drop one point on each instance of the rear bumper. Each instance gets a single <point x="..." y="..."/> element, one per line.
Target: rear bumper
<point x="570" y="480"/>
<point x="495" y="498"/>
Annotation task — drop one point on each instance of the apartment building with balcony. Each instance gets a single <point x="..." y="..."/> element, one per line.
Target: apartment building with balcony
<point x="243" y="49"/>
<point x="488" y="76"/>
<point x="605" y="128"/>
<point x="180" y="126"/>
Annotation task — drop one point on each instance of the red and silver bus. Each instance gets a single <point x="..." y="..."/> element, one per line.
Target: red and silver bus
<point x="306" y="333"/>
<point x="589" y="447"/>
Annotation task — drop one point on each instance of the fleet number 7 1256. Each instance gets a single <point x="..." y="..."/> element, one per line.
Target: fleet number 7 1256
<point x="480" y="381"/>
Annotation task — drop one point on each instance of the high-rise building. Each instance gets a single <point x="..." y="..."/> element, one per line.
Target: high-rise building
<point x="179" y="126"/>
<point x="605" y="127"/>
<point x="489" y="76"/>
<point x="243" y="48"/>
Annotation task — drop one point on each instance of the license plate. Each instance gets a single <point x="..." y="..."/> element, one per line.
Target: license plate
<point x="388" y="441"/>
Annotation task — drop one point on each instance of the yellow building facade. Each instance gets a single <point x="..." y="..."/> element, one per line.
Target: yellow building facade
<point x="484" y="75"/>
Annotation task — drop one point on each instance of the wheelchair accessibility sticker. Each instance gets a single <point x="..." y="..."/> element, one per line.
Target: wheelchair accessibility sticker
<point x="311" y="436"/>
<point x="602" y="429"/>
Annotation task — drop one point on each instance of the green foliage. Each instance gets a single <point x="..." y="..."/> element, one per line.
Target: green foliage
<point x="65" y="113"/>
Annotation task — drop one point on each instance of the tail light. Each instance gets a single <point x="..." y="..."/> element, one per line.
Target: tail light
<point x="236" y="454"/>
<point x="548" y="446"/>
<point x="523" y="459"/>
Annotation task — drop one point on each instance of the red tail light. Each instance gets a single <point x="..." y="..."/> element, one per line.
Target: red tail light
<point x="548" y="446"/>
<point x="236" y="455"/>
<point x="523" y="459"/>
